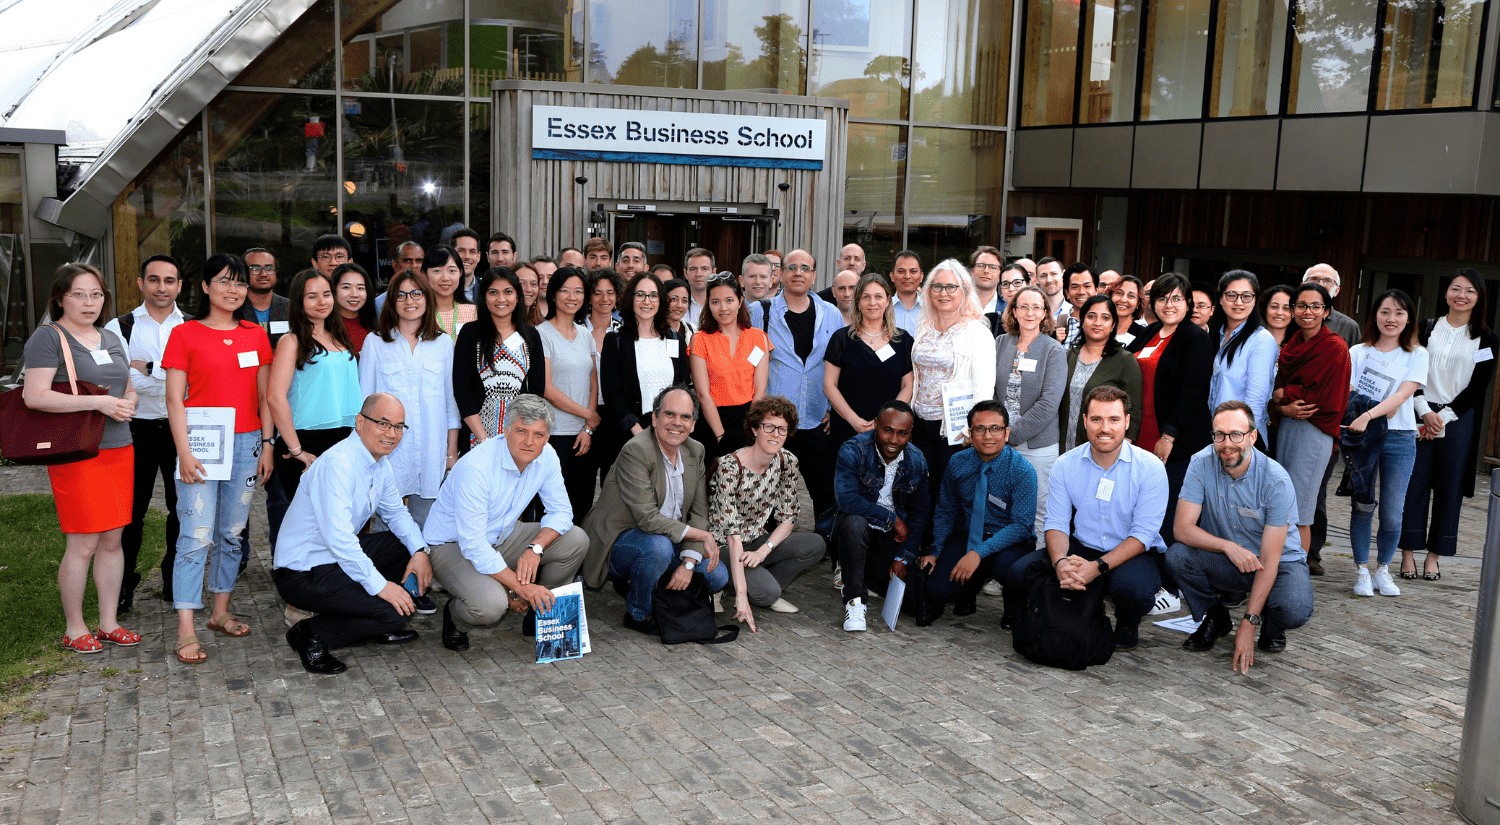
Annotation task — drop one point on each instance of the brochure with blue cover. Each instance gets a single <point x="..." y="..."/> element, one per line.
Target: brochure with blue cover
<point x="563" y="631"/>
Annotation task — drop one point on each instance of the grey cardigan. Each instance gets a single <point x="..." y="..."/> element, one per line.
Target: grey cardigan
<point x="1041" y="389"/>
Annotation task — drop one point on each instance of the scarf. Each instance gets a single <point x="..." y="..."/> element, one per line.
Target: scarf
<point x="1316" y="372"/>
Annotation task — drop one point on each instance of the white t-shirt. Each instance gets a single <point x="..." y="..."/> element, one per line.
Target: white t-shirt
<point x="1379" y="374"/>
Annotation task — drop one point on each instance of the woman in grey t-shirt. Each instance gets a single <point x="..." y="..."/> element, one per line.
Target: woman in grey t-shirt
<point x="572" y="386"/>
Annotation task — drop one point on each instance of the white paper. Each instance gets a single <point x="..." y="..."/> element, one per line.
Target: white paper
<point x="885" y="352"/>
<point x="1181" y="624"/>
<point x="101" y="357"/>
<point x="583" y="616"/>
<point x="755" y="356"/>
<point x="958" y="398"/>
<point x="894" y="594"/>
<point x="1106" y="489"/>
<point x="210" y="432"/>
<point x="673" y="347"/>
<point x="280" y="327"/>
<point x="249" y="359"/>
<point x="1483" y="355"/>
<point x="1027" y="364"/>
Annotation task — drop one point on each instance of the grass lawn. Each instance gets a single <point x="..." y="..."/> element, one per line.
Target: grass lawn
<point x="31" y="548"/>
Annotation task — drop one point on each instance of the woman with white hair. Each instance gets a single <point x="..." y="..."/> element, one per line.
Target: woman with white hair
<point x="953" y="361"/>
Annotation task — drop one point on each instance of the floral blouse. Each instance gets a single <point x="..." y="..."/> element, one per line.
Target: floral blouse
<point x="740" y="501"/>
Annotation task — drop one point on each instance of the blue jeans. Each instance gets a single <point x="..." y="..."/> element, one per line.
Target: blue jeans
<point x="212" y="514"/>
<point x="641" y="559"/>
<point x="1397" y="456"/>
<point x="1206" y="577"/>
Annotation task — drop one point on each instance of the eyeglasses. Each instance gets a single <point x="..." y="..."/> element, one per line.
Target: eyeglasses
<point x="647" y="296"/>
<point x="1326" y="283"/>
<point x="944" y="287"/>
<point x="993" y="429"/>
<point x="87" y="297"/>
<point x="386" y="426"/>
<point x="774" y="429"/>
<point x="721" y="276"/>
<point x="797" y="268"/>
<point x="1016" y="284"/>
<point x="1175" y="300"/>
<point x="775" y="266"/>
<point x="1234" y="438"/>
<point x="1463" y="290"/>
<point x="1240" y="297"/>
<point x="262" y="268"/>
<point x="575" y="292"/>
<point x="229" y="283"/>
<point x="333" y="257"/>
<point x="1299" y="306"/>
<point x="410" y="295"/>
<point x="986" y="267"/>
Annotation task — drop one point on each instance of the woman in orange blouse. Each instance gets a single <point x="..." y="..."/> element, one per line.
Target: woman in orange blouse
<point x="731" y="364"/>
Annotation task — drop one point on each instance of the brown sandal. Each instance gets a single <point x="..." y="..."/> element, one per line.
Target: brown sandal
<point x="227" y="624"/>
<point x="188" y="641"/>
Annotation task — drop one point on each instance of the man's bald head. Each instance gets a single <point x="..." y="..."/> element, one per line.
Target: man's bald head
<point x="1324" y="276"/>
<point x="852" y="257"/>
<point x="381" y="423"/>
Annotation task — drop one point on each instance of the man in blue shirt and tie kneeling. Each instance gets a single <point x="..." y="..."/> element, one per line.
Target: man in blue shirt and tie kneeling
<point x="983" y="521"/>
<point x="481" y="548"/>
<point x="1236" y="536"/>
<point x="323" y="564"/>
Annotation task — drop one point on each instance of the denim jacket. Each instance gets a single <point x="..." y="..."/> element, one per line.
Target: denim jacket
<point x="860" y="474"/>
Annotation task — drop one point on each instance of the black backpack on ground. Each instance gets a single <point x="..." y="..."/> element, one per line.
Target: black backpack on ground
<point x="688" y="615"/>
<point x="1062" y="628"/>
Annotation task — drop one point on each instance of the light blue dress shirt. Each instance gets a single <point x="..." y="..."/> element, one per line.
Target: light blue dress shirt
<point x="483" y="497"/>
<point x="1240" y="509"/>
<point x="1131" y="505"/>
<point x="1249" y="378"/>
<point x="907" y="319"/>
<point x="795" y="380"/>
<point x="338" y="494"/>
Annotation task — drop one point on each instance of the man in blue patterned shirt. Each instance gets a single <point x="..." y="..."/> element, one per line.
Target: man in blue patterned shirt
<point x="983" y="521"/>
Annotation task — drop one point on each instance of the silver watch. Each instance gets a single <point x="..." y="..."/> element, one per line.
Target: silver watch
<point x="535" y="548"/>
<point x="689" y="564"/>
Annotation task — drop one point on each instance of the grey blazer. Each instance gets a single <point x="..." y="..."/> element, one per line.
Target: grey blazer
<point x="1041" y="389"/>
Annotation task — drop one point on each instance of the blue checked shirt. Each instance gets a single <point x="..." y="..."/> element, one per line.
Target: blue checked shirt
<point x="791" y="378"/>
<point x="1010" y="509"/>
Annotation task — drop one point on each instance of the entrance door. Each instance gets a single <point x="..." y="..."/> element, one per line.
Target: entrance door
<point x="668" y="235"/>
<point x="1061" y="244"/>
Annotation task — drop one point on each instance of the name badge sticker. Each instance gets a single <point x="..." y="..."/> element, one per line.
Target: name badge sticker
<point x="673" y="346"/>
<point x="1483" y="355"/>
<point x="885" y="352"/>
<point x="280" y="327"/>
<point x="1125" y="339"/>
<point x="1106" y="489"/>
<point x="998" y="502"/>
<point x="1027" y="364"/>
<point x="1249" y="512"/>
<point x="1145" y="353"/>
<point x="249" y="359"/>
<point x="101" y="357"/>
<point x="755" y="356"/>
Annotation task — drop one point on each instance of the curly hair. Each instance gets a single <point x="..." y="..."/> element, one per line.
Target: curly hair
<point x="769" y="406"/>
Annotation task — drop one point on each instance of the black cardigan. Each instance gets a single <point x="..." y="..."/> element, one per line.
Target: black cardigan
<point x="1472" y="397"/>
<point x="468" y="354"/>
<point x="1183" y="372"/>
<point x="622" y="382"/>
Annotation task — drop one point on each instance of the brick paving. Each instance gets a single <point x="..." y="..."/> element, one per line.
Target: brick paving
<point x="1358" y="721"/>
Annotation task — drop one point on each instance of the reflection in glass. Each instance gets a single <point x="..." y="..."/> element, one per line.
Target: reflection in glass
<point x="1051" y="62"/>
<point x="408" y="47"/>
<point x="956" y="186"/>
<point x="302" y="58"/>
<point x="756" y="45"/>
<point x="638" y="44"/>
<point x="13" y="260"/>
<point x="403" y="177"/>
<point x="165" y="206"/>
<point x="274" y="174"/>
<point x="1176" y="43"/>
<point x="1251" y="47"/>
<point x="860" y="53"/>
<point x="521" y="39"/>
<point x="479" y="169"/>
<point x="874" y="191"/>
<point x="962" y="61"/>
<point x="1429" y="54"/>
<point x="1333" y="44"/>
<point x="1112" y="40"/>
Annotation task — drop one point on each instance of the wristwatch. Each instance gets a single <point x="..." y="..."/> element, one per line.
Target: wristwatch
<point x="427" y="550"/>
<point x="1103" y="566"/>
<point x="535" y="548"/>
<point x="770" y="546"/>
<point x="689" y="564"/>
<point x="1253" y="619"/>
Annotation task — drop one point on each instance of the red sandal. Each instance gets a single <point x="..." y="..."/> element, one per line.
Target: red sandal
<point x="83" y="644"/>
<point x="119" y="636"/>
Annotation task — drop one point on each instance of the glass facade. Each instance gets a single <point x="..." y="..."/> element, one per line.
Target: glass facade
<point x="1176" y="51"/>
<point x="1112" y="40"/>
<point x="1250" y="46"/>
<point x="958" y="180"/>
<point x="875" y="194"/>
<point x="1050" y="57"/>
<point x="1428" y="50"/>
<point x="961" y="62"/>
<point x="861" y="52"/>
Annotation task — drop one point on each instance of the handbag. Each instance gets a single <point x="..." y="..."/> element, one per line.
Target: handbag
<point x="30" y="436"/>
<point x="687" y="615"/>
<point x="1062" y="628"/>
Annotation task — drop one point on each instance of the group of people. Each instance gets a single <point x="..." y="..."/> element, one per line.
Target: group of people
<point x="959" y="423"/>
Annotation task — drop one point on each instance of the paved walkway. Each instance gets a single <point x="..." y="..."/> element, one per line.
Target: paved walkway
<point x="1359" y="721"/>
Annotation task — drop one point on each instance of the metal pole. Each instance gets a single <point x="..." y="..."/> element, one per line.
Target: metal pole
<point x="1477" y="796"/>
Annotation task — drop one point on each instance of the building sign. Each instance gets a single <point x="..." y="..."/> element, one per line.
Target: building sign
<point x="627" y="135"/>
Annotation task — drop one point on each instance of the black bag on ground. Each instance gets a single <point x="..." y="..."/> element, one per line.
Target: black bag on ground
<point x="1062" y="628"/>
<point x="688" y="615"/>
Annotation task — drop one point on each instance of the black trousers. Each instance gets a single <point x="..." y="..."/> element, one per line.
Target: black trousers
<point x="346" y="613"/>
<point x="942" y="589"/>
<point x="811" y="447"/>
<point x="1318" y="533"/>
<point x="865" y="554"/>
<point x="927" y="436"/>
<point x="155" y="454"/>
<point x="577" y="472"/>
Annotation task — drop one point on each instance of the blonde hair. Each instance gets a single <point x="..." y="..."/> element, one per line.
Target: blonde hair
<point x="968" y="308"/>
<point x="1013" y="327"/>
<point x="888" y="323"/>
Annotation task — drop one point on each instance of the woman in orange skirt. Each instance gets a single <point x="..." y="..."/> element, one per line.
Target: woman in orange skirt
<point x="93" y="496"/>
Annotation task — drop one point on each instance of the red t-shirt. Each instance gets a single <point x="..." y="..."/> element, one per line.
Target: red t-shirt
<point x="212" y="359"/>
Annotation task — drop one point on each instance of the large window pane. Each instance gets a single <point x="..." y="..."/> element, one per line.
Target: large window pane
<point x="1051" y="62"/>
<point x="1176" y="43"/>
<point x="520" y="39"/>
<point x="757" y="45"/>
<point x="874" y="192"/>
<point x="860" y="52"/>
<point x="415" y="46"/>
<point x="274" y="175"/>
<point x="403" y="176"/>
<point x="962" y="61"/>
<point x="644" y="44"/>
<point x="165" y="208"/>
<point x="302" y="58"/>
<point x="479" y="169"/>
<point x="1251" y="40"/>
<point x="1332" y="46"/>
<point x="1112" y="41"/>
<point x="956" y="184"/>
<point x="1429" y="54"/>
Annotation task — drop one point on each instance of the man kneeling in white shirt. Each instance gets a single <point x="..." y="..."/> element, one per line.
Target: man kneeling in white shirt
<point x="480" y="548"/>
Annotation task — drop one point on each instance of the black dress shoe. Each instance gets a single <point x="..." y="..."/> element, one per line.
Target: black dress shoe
<point x="453" y="638"/>
<point x="315" y="657"/>
<point x="1127" y="638"/>
<point x="424" y="605"/>
<point x="1007" y="621"/>
<point x="929" y="613"/>
<point x="647" y="625"/>
<point x="1215" y="624"/>
<point x="528" y="624"/>
<point x="965" y="607"/>
<point x="622" y="586"/>
<point x="397" y="638"/>
<point x="1272" y="638"/>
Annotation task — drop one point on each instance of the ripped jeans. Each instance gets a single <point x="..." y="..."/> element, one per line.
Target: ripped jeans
<point x="212" y="514"/>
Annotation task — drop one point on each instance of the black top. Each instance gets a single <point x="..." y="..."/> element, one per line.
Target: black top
<point x="468" y="361"/>
<point x="865" y="381"/>
<point x="800" y="324"/>
<point x="1183" y="373"/>
<point x="621" y="382"/>
<point x="1472" y="397"/>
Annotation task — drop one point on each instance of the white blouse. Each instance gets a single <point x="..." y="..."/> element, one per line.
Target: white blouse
<point x="653" y="368"/>
<point x="423" y="379"/>
<point x="1450" y="366"/>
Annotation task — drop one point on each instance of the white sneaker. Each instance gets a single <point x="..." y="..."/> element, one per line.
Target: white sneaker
<point x="992" y="588"/>
<point x="1383" y="582"/>
<point x="854" y="616"/>
<point x="1362" y="584"/>
<point x="718" y="604"/>
<point x="838" y="577"/>
<point x="1165" y="603"/>
<point x="783" y="606"/>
